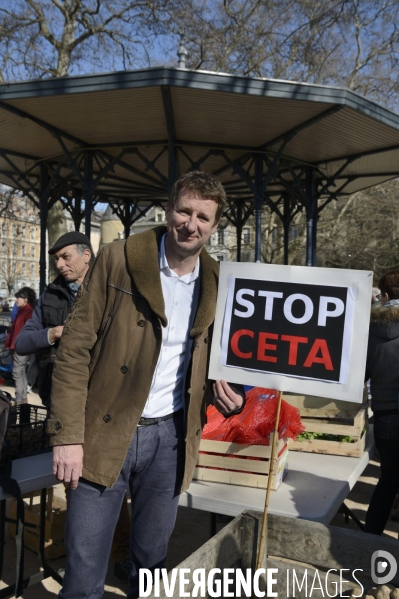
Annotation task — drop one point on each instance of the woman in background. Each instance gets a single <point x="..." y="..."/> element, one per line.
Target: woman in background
<point x="383" y="372"/>
<point x="26" y="301"/>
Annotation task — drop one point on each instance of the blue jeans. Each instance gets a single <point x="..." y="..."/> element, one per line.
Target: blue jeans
<point x="19" y="364"/>
<point x="386" y="434"/>
<point x="153" y="469"/>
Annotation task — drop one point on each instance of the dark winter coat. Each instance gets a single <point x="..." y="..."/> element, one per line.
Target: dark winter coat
<point x="383" y="357"/>
<point x="24" y="314"/>
<point x="51" y="310"/>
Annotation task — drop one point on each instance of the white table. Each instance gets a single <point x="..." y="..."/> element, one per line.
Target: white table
<point x="315" y="487"/>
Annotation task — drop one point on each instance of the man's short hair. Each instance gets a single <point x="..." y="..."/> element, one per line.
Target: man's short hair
<point x="81" y="247"/>
<point x="389" y="284"/>
<point x="204" y="185"/>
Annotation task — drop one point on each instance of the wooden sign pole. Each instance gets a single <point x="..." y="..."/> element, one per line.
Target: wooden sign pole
<point x="269" y="482"/>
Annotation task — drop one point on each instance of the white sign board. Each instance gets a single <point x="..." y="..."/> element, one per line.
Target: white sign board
<point x="292" y="328"/>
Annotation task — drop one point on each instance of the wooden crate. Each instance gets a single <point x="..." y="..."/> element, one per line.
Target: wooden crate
<point x="55" y="523"/>
<point x="321" y="415"/>
<point x="225" y="462"/>
<point x="308" y="548"/>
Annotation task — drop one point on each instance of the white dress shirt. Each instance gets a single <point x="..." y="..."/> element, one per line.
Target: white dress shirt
<point x="167" y="393"/>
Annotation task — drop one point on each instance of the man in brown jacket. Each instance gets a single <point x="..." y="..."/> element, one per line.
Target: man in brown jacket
<point x="130" y="384"/>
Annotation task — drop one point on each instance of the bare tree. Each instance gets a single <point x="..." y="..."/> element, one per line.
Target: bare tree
<point x="57" y="226"/>
<point x="363" y="231"/>
<point x="350" y="43"/>
<point x="54" y="38"/>
<point x="7" y="201"/>
<point x="11" y="268"/>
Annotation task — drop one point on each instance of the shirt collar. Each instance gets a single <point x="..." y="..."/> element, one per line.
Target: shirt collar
<point x="165" y="268"/>
<point x="73" y="289"/>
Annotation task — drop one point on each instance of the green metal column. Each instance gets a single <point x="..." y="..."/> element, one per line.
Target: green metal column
<point x="43" y="198"/>
<point x="310" y="220"/>
<point x="286" y="226"/>
<point x="259" y="187"/>
<point x="88" y="192"/>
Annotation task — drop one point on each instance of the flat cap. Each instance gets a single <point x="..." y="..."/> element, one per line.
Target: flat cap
<point x="69" y="239"/>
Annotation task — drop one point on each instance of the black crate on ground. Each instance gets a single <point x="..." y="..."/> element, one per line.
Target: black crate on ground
<point x="26" y="433"/>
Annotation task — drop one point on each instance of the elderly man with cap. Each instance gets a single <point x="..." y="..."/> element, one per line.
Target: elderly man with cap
<point x="73" y="255"/>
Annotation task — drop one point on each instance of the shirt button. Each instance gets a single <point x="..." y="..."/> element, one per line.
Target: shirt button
<point x="206" y="340"/>
<point x="57" y="426"/>
<point x="141" y="323"/>
<point x="124" y="369"/>
<point x="107" y="418"/>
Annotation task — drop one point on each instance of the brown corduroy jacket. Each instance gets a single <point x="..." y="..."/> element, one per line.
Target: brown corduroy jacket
<point x="109" y="350"/>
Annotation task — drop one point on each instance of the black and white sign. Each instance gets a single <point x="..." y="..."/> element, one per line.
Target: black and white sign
<point x="292" y="328"/>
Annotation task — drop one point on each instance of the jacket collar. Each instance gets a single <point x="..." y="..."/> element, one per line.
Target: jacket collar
<point x="143" y="265"/>
<point x="59" y="284"/>
<point x="384" y="315"/>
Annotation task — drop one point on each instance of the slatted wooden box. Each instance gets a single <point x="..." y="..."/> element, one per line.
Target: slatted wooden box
<point x="309" y="549"/>
<point x="245" y="465"/>
<point x="321" y="415"/>
<point x="55" y="523"/>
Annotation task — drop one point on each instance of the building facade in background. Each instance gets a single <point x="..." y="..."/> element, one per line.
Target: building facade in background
<point x="20" y="246"/>
<point x="20" y="243"/>
<point x="222" y="244"/>
<point x="95" y="228"/>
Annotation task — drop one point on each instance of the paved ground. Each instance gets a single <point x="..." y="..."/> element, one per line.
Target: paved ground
<point x="191" y="531"/>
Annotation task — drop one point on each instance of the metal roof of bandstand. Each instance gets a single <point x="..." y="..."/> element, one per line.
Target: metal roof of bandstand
<point x="125" y="137"/>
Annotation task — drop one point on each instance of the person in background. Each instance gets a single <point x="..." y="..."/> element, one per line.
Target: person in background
<point x="73" y="256"/>
<point x="383" y="372"/>
<point x="14" y="311"/>
<point x="374" y="295"/>
<point x="26" y="301"/>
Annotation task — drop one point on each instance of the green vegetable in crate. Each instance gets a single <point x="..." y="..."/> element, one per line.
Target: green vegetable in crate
<point x="306" y="435"/>
<point x="325" y="437"/>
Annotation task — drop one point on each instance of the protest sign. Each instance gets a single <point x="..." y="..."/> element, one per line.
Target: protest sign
<point x="292" y="328"/>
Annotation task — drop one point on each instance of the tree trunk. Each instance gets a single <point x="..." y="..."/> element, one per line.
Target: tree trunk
<point x="56" y="226"/>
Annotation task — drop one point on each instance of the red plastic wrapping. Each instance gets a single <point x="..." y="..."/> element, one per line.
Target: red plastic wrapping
<point x="255" y="423"/>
